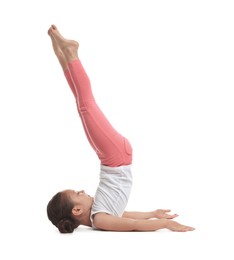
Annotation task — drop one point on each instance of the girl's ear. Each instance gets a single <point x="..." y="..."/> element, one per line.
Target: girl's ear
<point x="77" y="210"/>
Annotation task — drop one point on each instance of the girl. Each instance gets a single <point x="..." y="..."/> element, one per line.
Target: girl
<point x="105" y="211"/>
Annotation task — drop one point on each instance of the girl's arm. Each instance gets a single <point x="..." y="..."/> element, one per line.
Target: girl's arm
<point x="104" y="221"/>
<point x="159" y="213"/>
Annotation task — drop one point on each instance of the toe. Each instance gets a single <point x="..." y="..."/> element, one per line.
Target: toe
<point x="54" y="27"/>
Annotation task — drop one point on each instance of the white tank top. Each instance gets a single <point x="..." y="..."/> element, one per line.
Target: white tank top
<point x="113" y="191"/>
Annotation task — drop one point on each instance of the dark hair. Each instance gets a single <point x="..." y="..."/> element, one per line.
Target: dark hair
<point x="59" y="210"/>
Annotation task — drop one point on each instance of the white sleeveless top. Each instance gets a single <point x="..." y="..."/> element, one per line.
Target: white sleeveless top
<point x="113" y="191"/>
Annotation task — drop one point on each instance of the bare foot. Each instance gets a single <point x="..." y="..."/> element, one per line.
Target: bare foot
<point x="62" y="59"/>
<point x="56" y="48"/>
<point x="62" y="45"/>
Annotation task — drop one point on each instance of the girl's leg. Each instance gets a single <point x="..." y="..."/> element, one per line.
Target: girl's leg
<point x="64" y="64"/>
<point x="111" y="147"/>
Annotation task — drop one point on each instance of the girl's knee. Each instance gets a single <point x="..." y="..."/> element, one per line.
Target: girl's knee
<point x="128" y="152"/>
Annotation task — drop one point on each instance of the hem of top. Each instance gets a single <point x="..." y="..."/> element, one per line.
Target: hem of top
<point x="115" y="167"/>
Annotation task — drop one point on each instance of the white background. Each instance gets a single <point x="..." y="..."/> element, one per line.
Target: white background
<point x="162" y="72"/>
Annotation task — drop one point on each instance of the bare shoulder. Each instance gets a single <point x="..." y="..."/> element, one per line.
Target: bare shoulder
<point x="105" y="221"/>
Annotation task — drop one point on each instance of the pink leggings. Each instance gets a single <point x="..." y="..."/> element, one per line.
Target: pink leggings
<point x="111" y="148"/>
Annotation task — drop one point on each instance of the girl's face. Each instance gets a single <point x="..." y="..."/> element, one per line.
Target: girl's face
<point x="80" y="199"/>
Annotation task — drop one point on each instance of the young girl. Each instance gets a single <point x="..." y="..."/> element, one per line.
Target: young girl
<point x="105" y="211"/>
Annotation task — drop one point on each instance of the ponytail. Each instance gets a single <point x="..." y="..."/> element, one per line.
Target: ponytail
<point x="67" y="225"/>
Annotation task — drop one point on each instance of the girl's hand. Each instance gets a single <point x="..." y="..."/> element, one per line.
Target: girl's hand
<point x="163" y="213"/>
<point x="175" y="226"/>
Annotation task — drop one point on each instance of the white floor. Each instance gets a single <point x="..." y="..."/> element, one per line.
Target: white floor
<point x="162" y="71"/>
<point x="38" y="243"/>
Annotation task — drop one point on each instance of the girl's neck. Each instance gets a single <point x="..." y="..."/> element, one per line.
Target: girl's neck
<point x="85" y="219"/>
